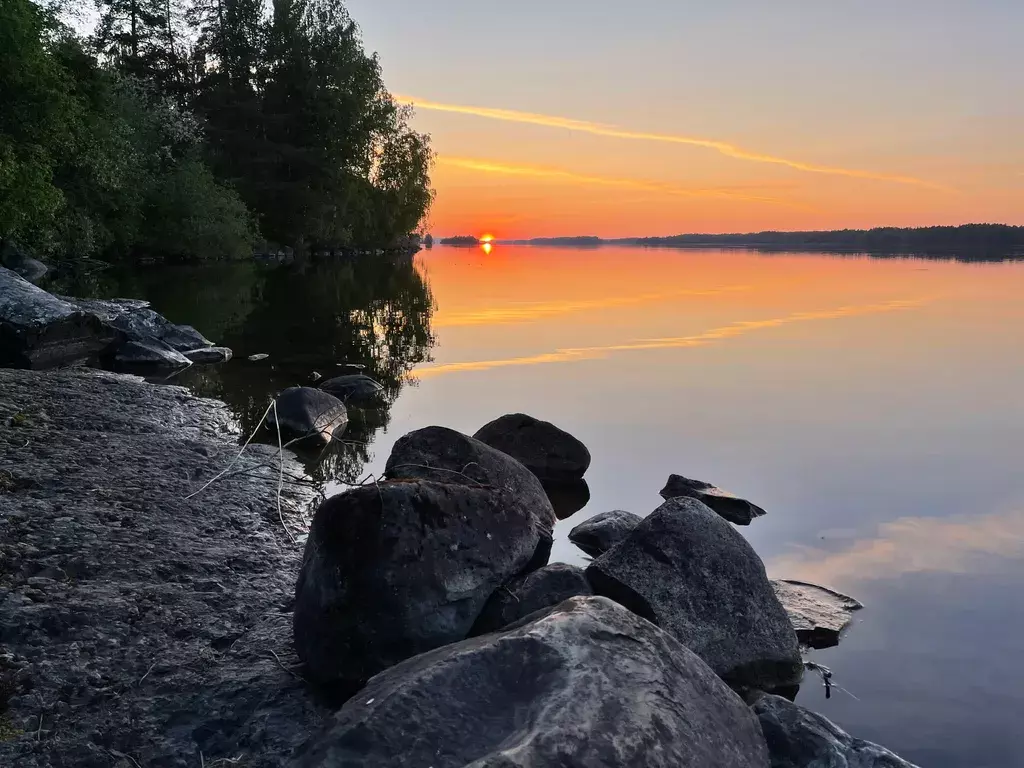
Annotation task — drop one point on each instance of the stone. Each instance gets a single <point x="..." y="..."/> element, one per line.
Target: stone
<point x="16" y="260"/>
<point x="818" y="614"/>
<point x="355" y="389"/>
<point x="691" y="573"/>
<point x="138" y="322"/>
<point x="799" y="738"/>
<point x="40" y="330"/>
<point x="547" y="451"/>
<point x="304" y="412"/>
<point x="728" y="505"/>
<point x="587" y="684"/>
<point x="151" y="353"/>
<point x="257" y="357"/>
<point x="398" y="568"/>
<point x="567" y="498"/>
<point x="447" y="456"/>
<point x="597" y="534"/>
<point x="543" y="588"/>
<point x="208" y="355"/>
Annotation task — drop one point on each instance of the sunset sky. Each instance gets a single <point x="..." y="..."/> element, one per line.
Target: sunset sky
<point x="667" y="116"/>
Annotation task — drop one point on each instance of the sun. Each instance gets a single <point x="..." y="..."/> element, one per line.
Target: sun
<point x="486" y="238"/>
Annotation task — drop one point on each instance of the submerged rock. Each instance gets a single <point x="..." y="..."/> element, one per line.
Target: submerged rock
<point x="547" y="451"/>
<point x="567" y="498"/>
<point x="690" y="572"/>
<point x="587" y="684"/>
<point x="731" y="507"/>
<point x="544" y="588"/>
<point x="355" y="389"/>
<point x="799" y="738"/>
<point x="149" y="353"/>
<point x="598" y="534"/>
<point x="304" y="412"/>
<point x="398" y="568"/>
<point x="819" y="615"/>
<point x="209" y="355"/>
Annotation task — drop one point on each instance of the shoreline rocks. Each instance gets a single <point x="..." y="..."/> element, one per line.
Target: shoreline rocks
<point x="598" y="534"/>
<point x="304" y="413"/>
<point x="818" y="614"/>
<point x="536" y="591"/>
<point x="354" y="389"/>
<point x="728" y="505"/>
<point x="552" y="454"/>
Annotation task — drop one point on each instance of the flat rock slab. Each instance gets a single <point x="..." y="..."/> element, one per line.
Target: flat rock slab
<point x="142" y="619"/>
<point x="728" y="505"/>
<point x="819" y="614"/>
<point x="585" y="685"/>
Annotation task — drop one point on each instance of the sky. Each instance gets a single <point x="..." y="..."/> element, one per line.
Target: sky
<point x="656" y="117"/>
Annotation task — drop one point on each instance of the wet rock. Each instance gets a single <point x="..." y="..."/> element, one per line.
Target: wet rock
<point x="690" y="572"/>
<point x="567" y="498"/>
<point x="137" y="322"/>
<point x="819" y="615"/>
<point x="544" y="588"/>
<point x="587" y="684"/>
<point x="447" y="456"/>
<point x="355" y="389"/>
<point x="209" y="355"/>
<point x="304" y="412"/>
<point x="547" y="451"/>
<point x="598" y="534"/>
<point x="16" y="260"/>
<point x="129" y="355"/>
<point x="257" y="357"/>
<point x="731" y="507"/>
<point x="398" y="568"/>
<point x="39" y="330"/>
<point x="799" y="738"/>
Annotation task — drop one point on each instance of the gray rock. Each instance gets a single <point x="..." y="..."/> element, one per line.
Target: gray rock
<point x="588" y="685"/>
<point x="567" y="497"/>
<point x="598" y="534"/>
<point x="257" y="357"/>
<point x="39" y="330"/>
<point x="447" y="456"/>
<point x="304" y="412"/>
<point x="819" y="615"/>
<point x="547" y="451"/>
<point x="208" y="355"/>
<point x="137" y="322"/>
<point x="149" y="353"/>
<point x="16" y="260"/>
<point x="799" y="738"/>
<point x="398" y="568"/>
<point x="355" y="389"/>
<point x="728" y="505"/>
<point x="544" y="588"/>
<point x="690" y="572"/>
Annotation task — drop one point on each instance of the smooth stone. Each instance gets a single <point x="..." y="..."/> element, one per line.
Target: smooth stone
<point x="819" y="614"/>
<point x="304" y="412"/>
<point x="799" y="738"/>
<point x="354" y="389"/>
<point x="728" y="505"/>
<point x="398" y="568"/>
<point x="209" y="355"/>
<point x="547" y="451"/>
<point x="149" y="353"/>
<point x="585" y="685"/>
<point x="544" y="588"/>
<point x="567" y="498"/>
<point x="257" y="357"/>
<point x="597" y="534"/>
<point x="691" y="573"/>
<point x="138" y="322"/>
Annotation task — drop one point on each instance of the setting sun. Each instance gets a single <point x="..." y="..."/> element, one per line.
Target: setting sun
<point x="486" y="238"/>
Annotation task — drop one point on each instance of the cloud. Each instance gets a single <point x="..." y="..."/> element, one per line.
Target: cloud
<point x="597" y="129"/>
<point x="575" y="354"/>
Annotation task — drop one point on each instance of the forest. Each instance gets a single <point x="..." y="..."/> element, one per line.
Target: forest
<point x="182" y="130"/>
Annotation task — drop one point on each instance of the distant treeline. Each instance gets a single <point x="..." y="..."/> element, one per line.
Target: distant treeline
<point x="460" y="240"/>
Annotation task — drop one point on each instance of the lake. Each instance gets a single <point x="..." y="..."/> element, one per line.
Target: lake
<point x="874" y="407"/>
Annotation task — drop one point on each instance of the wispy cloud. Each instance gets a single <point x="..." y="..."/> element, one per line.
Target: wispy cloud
<point x="575" y="354"/>
<point x="722" y="147"/>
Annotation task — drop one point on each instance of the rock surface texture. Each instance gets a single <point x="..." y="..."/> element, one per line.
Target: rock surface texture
<point x="598" y="534"/>
<point x="547" y="451"/>
<point x="799" y="738"/>
<point x="695" y="576"/>
<point x="588" y="685"/>
<point x="138" y="622"/>
<point x="731" y="507"/>
<point x="819" y="614"/>
<point x="543" y="588"/>
<point x="355" y="389"/>
<point x="304" y="412"/>
<point x="135" y="319"/>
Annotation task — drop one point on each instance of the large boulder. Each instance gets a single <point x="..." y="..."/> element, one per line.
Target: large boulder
<point x="597" y="534"/>
<point x="586" y="685"/>
<point x="691" y="573"/>
<point x="355" y="389"/>
<point x="304" y="412"/>
<point x="533" y="592"/>
<point x="39" y="330"/>
<point x="799" y="738"/>
<point x="728" y="505"/>
<point x="394" y="569"/>
<point x="137" y="322"/>
<point x="547" y="451"/>
<point x="447" y="456"/>
<point x="819" y="614"/>
<point x="16" y="260"/>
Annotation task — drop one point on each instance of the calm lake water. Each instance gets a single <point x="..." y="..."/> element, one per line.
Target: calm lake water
<point x="874" y="407"/>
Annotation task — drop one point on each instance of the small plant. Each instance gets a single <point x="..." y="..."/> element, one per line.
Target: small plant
<point x="20" y="419"/>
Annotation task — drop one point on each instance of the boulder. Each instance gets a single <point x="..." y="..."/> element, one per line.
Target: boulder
<point x="304" y="412"/>
<point x="138" y="322"/>
<point x="447" y="456"/>
<point x="731" y="507"/>
<point x="547" y="451"/>
<point x="597" y="534"/>
<point x="587" y="684"/>
<point x="799" y="738"/>
<point x="148" y="353"/>
<point x="355" y="389"/>
<point x="208" y="355"/>
<point x="819" y="614"/>
<point x="397" y="568"/>
<point x="691" y="573"/>
<point x="544" y="588"/>
<point x="567" y="498"/>
<point x="40" y="330"/>
<point x="16" y="260"/>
